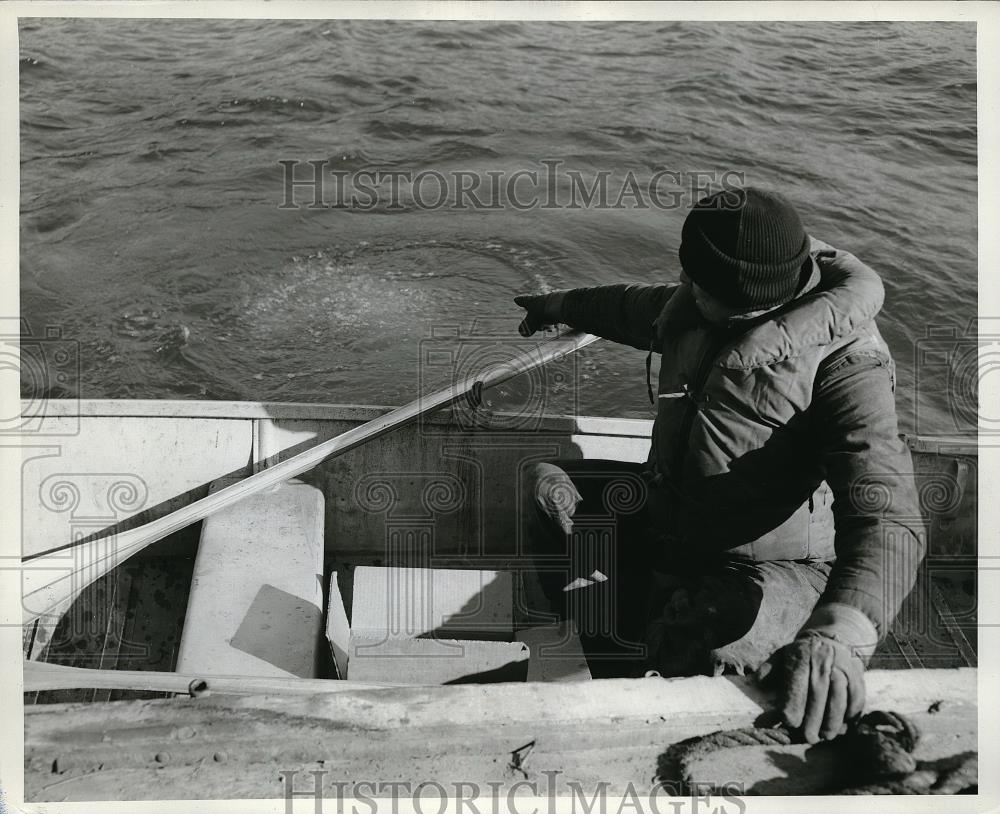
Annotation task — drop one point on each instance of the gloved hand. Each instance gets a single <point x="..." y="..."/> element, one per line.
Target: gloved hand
<point x="543" y="311"/>
<point x="821" y="673"/>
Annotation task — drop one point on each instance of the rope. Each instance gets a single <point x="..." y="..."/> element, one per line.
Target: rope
<point x="676" y="763"/>
<point x="880" y="745"/>
<point x="876" y="753"/>
<point x="958" y="774"/>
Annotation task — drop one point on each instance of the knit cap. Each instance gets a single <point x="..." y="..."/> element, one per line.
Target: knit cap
<point x="746" y="247"/>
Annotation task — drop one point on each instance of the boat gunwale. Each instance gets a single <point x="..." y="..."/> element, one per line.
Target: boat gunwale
<point x="291" y="411"/>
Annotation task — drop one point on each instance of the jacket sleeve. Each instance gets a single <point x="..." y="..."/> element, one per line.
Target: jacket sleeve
<point x="879" y="529"/>
<point x="623" y="313"/>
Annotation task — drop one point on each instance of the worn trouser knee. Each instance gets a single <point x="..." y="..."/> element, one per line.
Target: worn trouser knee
<point x="733" y="618"/>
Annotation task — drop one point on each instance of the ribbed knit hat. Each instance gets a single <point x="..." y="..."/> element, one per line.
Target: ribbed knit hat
<point x="746" y="247"/>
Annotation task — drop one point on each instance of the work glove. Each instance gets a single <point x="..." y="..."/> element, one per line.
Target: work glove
<point x="821" y="674"/>
<point x="543" y="311"/>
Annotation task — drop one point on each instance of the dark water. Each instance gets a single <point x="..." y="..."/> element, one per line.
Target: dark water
<point x="150" y="187"/>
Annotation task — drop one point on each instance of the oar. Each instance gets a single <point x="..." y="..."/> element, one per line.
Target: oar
<point x="49" y="583"/>
<point x="42" y="676"/>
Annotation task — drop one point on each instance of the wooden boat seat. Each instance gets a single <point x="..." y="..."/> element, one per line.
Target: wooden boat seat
<point x="255" y="607"/>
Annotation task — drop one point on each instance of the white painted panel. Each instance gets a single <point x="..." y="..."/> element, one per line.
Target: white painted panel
<point x="616" y="448"/>
<point x="407" y="603"/>
<point x="556" y="652"/>
<point x="436" y="661"/>
<point x="275" y="436"/>
<point x="117" y="467"/>
<point x="256" y="600"/>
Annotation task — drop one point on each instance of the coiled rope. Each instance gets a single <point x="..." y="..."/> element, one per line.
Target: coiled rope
<point x="876" y="754"/>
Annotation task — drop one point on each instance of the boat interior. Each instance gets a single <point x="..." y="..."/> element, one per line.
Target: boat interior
<point x="441" y="493"/>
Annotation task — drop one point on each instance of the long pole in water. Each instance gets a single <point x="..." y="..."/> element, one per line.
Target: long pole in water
<point x="49" y="584"/>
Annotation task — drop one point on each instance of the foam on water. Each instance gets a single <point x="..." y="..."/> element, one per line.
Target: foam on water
<point x="366" y="313"/>
<point x="396" y="289"/>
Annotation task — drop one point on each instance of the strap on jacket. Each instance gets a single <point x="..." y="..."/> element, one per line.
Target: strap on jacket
<point x="649" y="371"/>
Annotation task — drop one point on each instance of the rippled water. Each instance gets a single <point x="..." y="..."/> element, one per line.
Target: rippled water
<point x="150" y="186"/>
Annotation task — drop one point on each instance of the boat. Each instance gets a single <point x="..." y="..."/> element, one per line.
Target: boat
<point x="110" y="714"/>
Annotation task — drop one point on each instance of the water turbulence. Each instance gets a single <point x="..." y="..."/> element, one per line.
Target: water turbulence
<point x="378" y="323"/>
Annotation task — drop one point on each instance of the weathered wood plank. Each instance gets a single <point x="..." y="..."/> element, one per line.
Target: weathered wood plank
<point x="39" y="676"/>
<point x="610" y="731"/>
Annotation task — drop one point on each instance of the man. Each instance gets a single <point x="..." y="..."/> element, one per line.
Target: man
<point x="775" y="523"/>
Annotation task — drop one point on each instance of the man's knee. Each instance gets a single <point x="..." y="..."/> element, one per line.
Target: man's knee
<point x="789" y="592"/>
<point x="731" y="619"/>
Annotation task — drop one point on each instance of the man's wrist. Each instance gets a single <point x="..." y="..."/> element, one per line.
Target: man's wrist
<point x="845" y="624"/>
<point x="552" y="308"/>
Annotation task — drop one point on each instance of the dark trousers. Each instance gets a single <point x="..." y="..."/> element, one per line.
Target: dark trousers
<point x="639" y="606"/>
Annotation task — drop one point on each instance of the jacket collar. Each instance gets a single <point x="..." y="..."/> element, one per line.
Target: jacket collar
<point x="842" y="295"/>
<point x="679" y="314"/>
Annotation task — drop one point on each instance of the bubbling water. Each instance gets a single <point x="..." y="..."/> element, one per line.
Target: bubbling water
<point x="372" y="317"/>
